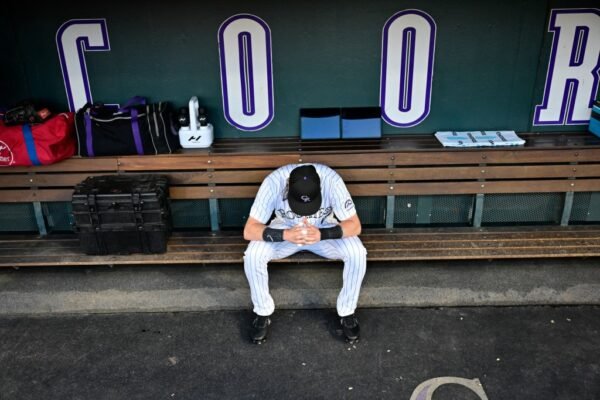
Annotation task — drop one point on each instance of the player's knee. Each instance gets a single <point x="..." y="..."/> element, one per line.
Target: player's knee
<point x="361" y="254"/>
<point x="355" y="252"/>
<point x="257" y="253"/>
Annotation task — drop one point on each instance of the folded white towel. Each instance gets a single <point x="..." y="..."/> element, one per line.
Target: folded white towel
<point x="479" y="138"/>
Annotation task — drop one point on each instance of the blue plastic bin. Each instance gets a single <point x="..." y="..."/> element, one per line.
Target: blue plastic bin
<point x="361" y="122"/>
<point x="320" y="123"/>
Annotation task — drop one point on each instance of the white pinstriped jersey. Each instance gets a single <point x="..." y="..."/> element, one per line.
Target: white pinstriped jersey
<point x="272" y="197"/>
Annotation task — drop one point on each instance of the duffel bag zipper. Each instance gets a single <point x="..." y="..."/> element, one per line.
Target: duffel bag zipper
<point x="150" y="128"/>
<point x="113" y="119"/>
<point x="163" y="125"/>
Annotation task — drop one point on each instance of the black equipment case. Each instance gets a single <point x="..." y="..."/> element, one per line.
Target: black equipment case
<point x="122" y="214"/>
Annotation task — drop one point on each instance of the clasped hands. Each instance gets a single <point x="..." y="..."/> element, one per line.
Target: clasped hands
<point x="303" y="233"/>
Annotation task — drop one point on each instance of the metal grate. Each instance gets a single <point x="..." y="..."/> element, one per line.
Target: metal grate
<point x="433" y="210"/>
<point x="371" y="210"/>
<point x="234" y="212"/>
<point x="17" y="217"/>
<point x="586" y="207"/>
<point x="526" y="208"/>
<point x="405" y="210"/>
<point x="452" y="210"/>
<point x="58" y="216"/>
<point x="188" y="214"/>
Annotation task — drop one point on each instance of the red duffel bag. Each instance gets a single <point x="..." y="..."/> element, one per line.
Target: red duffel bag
<point x="38" y="144"/>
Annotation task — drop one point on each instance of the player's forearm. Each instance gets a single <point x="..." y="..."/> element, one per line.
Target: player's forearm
<point x="350" y="228"/>
<point x="254" y="231"/>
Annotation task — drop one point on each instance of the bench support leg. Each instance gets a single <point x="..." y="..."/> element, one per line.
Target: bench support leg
<point x="213" y="207"/>
<point x="478" y="212"/>
<point x="566" y="215"/>
<point x="39" y="218"/>
<point x="389" y="212"/>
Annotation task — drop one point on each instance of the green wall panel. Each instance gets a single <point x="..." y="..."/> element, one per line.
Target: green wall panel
<point x="13" y="81"/>
<point x="450" y="210"/>
<point x="490" y="57"/>
<point x="586" y="208"/>
<point x="17" y="217"/>
<point x="371" y="211"/>
<point x="190" y="214"/>
<point x="234" y="212"/>
<point x="58" y="216"/>
<point x="524" y="208"/>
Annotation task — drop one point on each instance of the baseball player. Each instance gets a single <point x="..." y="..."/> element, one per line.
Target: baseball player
<point x="313" y="211"/>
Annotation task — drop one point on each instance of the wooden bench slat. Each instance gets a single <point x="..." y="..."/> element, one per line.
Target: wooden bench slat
<point x="410" y="141"/>
<point x="381" y="245"/>
<point x="413" y="142"/>
<point x="457" y="156"/>
<point x="471" y="172"/>
<point x="249" y="191"/>
<point x="509" y="253"/>
<point x="349" y="175"/>
<point x="372" y="237"/>
<point x="399" y="189"/>
<point x="437" y="232"/>
<point x="227" y="177"/>
<point x="28" y="196"/>
<point x="424" y="234"/>
<point x="216" y="192"/>
<point x="442" y="188"/>
<point x="44" y="180"/>
<point x="196" y="249"/>
<point x="182" y="162"/>
<point x="386" y="174"/>
<point x="236" y="257"/>
<point x="75" y="164"/>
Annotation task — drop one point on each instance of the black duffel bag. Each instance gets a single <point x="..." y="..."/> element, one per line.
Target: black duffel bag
<point x="135" y="128"/>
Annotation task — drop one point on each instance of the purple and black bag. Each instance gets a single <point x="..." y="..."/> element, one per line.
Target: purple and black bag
<point x="135" y="128"/>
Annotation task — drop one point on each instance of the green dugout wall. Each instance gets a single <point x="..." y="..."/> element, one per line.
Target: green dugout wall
<point x="491" y="58"/>
<point x="489" y="72"/>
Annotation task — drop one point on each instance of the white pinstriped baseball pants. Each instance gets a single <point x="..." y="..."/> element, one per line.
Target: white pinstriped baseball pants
<point x="350" y="250"/>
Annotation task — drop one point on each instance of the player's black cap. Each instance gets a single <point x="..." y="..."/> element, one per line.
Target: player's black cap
<point x="304" y="194"/>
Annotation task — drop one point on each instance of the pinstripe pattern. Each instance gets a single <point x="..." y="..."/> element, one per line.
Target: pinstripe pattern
<point x="350" y="250"/>
<point x="272" y="196"/>
<point x="337" y="205"/>
<point x="354" y="255"/>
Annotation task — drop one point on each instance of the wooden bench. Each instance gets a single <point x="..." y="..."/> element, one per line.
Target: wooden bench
<point x="389" y="169"/>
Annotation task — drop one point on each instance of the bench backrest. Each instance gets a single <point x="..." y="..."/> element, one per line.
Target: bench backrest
<point x="388" y="168"/>
<point x="379" y="172"/>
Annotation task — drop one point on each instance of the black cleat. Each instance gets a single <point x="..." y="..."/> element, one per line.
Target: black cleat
<point x="259" y="329"/>
<point x="350" y="328"/>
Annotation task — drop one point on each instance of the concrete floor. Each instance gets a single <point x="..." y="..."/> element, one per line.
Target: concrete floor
<point x="549" y="353"/>
<point x="299" y="286"/>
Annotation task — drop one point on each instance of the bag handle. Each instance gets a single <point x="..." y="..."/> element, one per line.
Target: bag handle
<point x="88" y="134"/>
<point x="135" y="128"/>
<point x="30" y="145"/>
<point x="132" y="102"/>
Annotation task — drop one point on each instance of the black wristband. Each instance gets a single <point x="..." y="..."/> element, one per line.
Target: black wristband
<point x="273" y="235"/>
<point x="334" y="232"/>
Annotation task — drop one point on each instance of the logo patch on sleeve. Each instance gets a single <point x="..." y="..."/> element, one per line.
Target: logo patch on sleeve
<point x="349" y="205"/>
